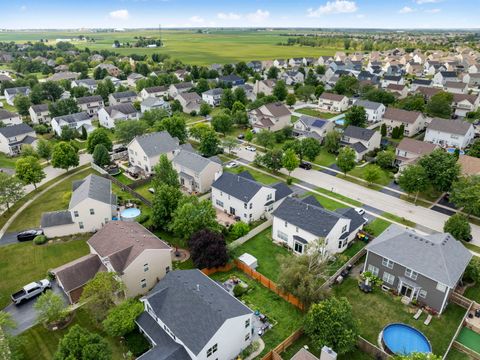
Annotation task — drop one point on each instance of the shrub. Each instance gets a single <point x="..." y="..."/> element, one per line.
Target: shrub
<point x="193" y="113"/>
<point x="239" y="290"/>
<point x="239" y="229"/>
<point x="143" y="218"/>
<point x="289" y="181"/>
<point x="40" y="240"/>
<point x="136" y="343"/>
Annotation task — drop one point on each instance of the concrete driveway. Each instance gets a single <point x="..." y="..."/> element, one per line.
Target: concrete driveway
<point x="25" y="315"/>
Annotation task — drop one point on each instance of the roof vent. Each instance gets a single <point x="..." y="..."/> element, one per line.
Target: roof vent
<point x="198" y="287"/>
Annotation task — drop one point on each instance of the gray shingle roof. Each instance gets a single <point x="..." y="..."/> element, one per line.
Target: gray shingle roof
<point x="368" y="104"/>
<point x="56" y="218"/>
<point x="282" y="190"/>
<point x="40" y="108"/>
<point x="356" y="132"/>
<point x="123" y="94"/>
<point x="439" y="256"/>
<point x="89" y="82"/>
<point x="93" y="187"/>
<point x="89" y="99"/>
<point x="193" y="306"/>
<point x="157" y="143"/>
<point x="18" y="90"/>
<point x="216" y="91"/>
<point x="191" y="161"/>
<point x="311" y="121"/>
<point x="5" y="114"/>
<point x="15" y="130"/>
<point x="358" y="147"/>
<point x="153" y="101"/>
<point x="125" y="108"/>
<point x="238" y="186"/>
<point x="156" y="89"/>
<point x="457" y="127"/>
<point x="73" y="118"/>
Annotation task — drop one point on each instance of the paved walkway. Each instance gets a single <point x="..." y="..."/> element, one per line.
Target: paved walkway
<point x="258" y="351"/>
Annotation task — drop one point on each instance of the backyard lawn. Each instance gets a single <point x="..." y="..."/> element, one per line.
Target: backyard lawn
<point x="378" y="309"/>
<point x="377" y="226"/>
<point x="286" y="317"/>
<point x="143" y="190"/>
<point x="262" y="247"/>
<point x="38" y="343"/>
<point x="22" y="263"/>
<point x="259" y="176"/>
<point x="473" y="293"/>
<point x="56" y="198"/>
<point x="325" y="158"/>
<point x="455" y="354"/>
<point x="316" y="113"/>
<point x="123" y="178"/>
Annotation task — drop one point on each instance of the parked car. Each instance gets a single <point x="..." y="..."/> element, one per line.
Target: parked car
<point x="29" y="235"/>
<point x="30" y="291"/>
<point x="241" y="136"/>
<point x="305" y="165"/>
<point x="251" y="148"/>
<point x="231" y="165"/>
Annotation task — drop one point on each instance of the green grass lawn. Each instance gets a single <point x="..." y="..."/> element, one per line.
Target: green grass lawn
<point x="385" y="178"/>
<point x="455" y="354"/>
<point x="316" y="113"/>
<point x="124" y="179"/>
<point x="473" y="293"/>
<point x="259" y="176"/>
<point x="470" y="339"/>
<point x="339" y="197"/>
<point x="398" y="219"/>
<point x="38" y="343"/>
<point x="325" y="158"/>
<point x="143" y="190"/>
<point x="7" y="161"/>
<point x="377" y="226"/>
<point x="56" y="198"/>
<point x="326" y="202"/>
<point x="287" y="317"/>
<point x="378" y="309"/>
<point x="22" y="263"/>
<point x="262" y="247"/>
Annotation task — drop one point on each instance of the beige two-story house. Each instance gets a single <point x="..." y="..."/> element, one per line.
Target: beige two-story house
<point x="413" y="121"/>
<point x="273" y="117"/>
<point x="333" y="102"/>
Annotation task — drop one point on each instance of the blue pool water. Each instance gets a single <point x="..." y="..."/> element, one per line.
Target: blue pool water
<point x="131" y="213"/>
<point x="340" y="122"/>
<point x="452" y="150"/>
<point x="403" y="339"/>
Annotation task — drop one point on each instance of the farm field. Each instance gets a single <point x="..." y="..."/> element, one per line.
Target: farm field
<point x="187" y="45"/>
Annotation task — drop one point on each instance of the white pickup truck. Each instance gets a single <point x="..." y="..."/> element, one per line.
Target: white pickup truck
<point x="31" y="290"/>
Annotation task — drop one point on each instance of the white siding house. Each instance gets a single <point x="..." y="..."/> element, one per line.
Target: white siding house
<point x="450" y="133"/>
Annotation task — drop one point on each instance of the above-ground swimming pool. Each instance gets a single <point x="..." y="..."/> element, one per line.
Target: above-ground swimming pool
<point x="403" y="340"/>
<point x="340" y="121"/>
<point x="452" y="151"/>
<point x="129" y="214"/>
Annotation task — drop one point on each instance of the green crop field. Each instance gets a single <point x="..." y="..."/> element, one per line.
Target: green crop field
<point x="217" y="46"/>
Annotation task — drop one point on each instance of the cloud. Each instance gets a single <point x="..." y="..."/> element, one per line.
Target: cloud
<point x="433" y="11"/>
<point x="121" y="14"/>
<point x="229" y="16"/>
<point x="197" y="19"/>
<point x="23" y="8"/>
<point x="334" y="7"/>
<point x="258" y="16"/>
<point x="420" y="2"/>
<point x="406" y="10"/>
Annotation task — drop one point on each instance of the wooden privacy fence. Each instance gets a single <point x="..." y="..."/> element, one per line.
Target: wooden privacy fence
<point x="466" y="350"/>
<point x="351" y="261"/>
<point x="369" y="348"/>
<point x="210" y="271"/>
<point x="275" y="353"/>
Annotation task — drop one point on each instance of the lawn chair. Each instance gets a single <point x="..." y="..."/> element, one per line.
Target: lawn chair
<point x="418" y="314"/>
<point x="427" y="320"/>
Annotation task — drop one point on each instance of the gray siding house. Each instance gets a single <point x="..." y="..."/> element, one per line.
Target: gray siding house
<point x="426" y="268"/>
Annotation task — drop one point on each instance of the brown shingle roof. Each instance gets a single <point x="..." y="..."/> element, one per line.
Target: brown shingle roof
<point x="416" y="146"/>
<point x="455" y="85"/>
<point x="428" y="92"/>
<point x="458" y="127"/>
<point x="78" y="272"/>
<point x="469" y="165"/>
<point x="461" y="97"/>
<point x="277" y="109"/>
<point x="332" y="97"/>
<point x="123" y="241"/>
<point x="401" y="115"/>
<point x="395" y="87"/>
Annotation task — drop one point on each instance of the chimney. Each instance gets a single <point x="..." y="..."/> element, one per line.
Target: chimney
<point x="328" y="354"/>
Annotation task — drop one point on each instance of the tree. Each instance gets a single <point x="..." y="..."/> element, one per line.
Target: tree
<point x="98" y="136"/>
<point x="165" y="173"/>
<point x="126" y="131"/>
<point x="29" y="170"/>
<point x="305" y="92"/>
<point x="11" y="189"/>
<point x="266" y="139"/>
<point x="50" y="308"/>
<point x="465" y="194"/>
<point x="240" y="95"/>
<point x="205" y="109"/>
<point x="440" y="105"/>
<point x="304" y="275"/>
<point x="442" y="169"/>
<point x="230" y="143"/>
<point x="413" y="179"/>
<point x="412" y="103"/>
<point x="291" y="99"/>
<point x="81" y="344"/>
<point x="472" y="272"/>
<point x="332" y="141"/>
<point x="121" y="319"/>
<point x="290" y="161"/>
<point x="197" y="131"/>
<point x="22" y="103"/>
<point x="383" y="130"/>
<point x="249" y="136"/>
<point x="475" y="149"/>
<point x="346" y="159"/>
<point x="209" y="143"/>
<point x="44" y="149"/>
<point x="6" y="320"/>
<point x="193" y="215"/>
<point x="52" y="91"/>
<point x="208" y="249"/>
<point x="458" y="226"/>
<point x="227" y="99"/>
<point x="99" y="294"/>
<point x="101" y="157"/>
<point x="417" y="356"/>
<point x="63" y="107"/>
<point x="272" y="73"/>
<point x="175" y="126"/>
<point x="28" y="150"/>
<point x="280" y="90"/>
<point x="68" y="133"/>
<point x="222" y="123"/>
<point x="239" y="229"/>
<point x="153" y="116"/>
<point x="202" y="86"/>
<point x="356" y="116"/>
<point x="346" y="85"/>
<point x="272" y="159"/>
<point x="64" y="156"/>
<point x="165" y="202"/>
<point x="331" y="323"/>
<point x="385" y="159"/>
<point x="105" y="88"/>
<point x="176" y="106"/>
<point x="372" y="173"/>
<point x="311" y="148"/>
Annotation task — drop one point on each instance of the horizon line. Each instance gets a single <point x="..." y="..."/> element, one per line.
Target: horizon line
<point x="242" y="27"/>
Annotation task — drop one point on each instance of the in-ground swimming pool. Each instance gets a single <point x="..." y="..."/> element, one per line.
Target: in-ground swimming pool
<point x="403" y="340"/>
<point x="340" y="121"/>
<point x="129" y="214"/>
<point x="452" y="151"/>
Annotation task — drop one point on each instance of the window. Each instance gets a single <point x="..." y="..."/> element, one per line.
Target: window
<point x="296" y="229"/>
<point x="411" y="274"/>
<point x="340" y="243"/>
<point x="167" y="269"/>
<point x="441" y="287"/>
<point x="251" y="205"/>
<point x="388" y="278"/>
<point x="387" y="263"/>
<point x="80" y="224"/>
<point x="245" y="216"/>
<point x="212" y="350"/>
<point x="92" y="212"/>
<point x="145" y="267"/>
<point x="344" y="229"/>
<point x="245" y="205"/>
<point x="247" y="323"/>
<point x="247" y="337"/>
<point x="143" y="283"/>
<point x="422" y="294"/>
<point x="75" y="213"/>
<point x="286" y="224"/>
<point x="282" y="235"/>
<point x="219" y="203"/>
<point x="373" y="269"/>
<point x="269" y="197"/>
<point x="299" y="248"/>
<point x="221" y="193"/>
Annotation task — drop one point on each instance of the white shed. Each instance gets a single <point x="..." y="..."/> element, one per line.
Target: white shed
<point x="249" y="260"/>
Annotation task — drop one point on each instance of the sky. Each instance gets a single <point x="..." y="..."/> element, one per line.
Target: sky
<point x="392" y="14"/>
